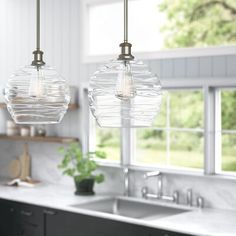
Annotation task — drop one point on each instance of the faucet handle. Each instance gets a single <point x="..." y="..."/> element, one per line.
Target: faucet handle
<point x="200" y="202"/>
<point x="189" y="197"/>
<point x="126" y="170"/>
<point x="151" y="174"/>
<point x="176" y="197"/>
<point x="126" y="181"/>
<point x="144" y="191"/>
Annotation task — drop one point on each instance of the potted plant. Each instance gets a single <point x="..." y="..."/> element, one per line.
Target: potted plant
<point x="81" y="167"/>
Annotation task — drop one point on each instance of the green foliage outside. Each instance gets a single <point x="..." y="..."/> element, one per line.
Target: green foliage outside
<point x="228" y="103"/>
<point x="162" y="146"/>
<point x="199" y="23"/>
<point x="228" y="114"/>
<point x="108" y="140"/>
<point x="79" y="166"/>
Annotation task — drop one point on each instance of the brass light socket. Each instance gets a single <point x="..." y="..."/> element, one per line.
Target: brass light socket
<point x="126" y="52"/>
<point x="38" y="58"/>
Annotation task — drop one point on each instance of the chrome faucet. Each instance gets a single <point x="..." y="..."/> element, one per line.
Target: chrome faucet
<point x="145" y="194"/>
<point x="126" y="181"/>
<point x="159" y="184"/>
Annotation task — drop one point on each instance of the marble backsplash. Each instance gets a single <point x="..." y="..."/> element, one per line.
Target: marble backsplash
<point x="217" y="192"/>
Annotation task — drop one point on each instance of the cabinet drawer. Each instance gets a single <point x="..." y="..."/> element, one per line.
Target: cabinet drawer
<point x="30" y="214"/>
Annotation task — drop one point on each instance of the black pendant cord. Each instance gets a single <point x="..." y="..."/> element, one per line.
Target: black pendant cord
<point x="38" y="54"/>
<point x="125" y="46"/>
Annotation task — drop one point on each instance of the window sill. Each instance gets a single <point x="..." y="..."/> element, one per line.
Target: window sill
<point x="172" y="171"/>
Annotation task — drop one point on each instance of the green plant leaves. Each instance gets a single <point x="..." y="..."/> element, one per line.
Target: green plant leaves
<point x="78" y="165"/>
<point x="99" y="178"/>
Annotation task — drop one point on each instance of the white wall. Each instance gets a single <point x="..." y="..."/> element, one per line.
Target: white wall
<point x="61" y="44"/>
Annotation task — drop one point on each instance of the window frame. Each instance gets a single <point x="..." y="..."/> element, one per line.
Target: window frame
<point x="161" y="54"/>
<point x="221" y="131"/>
<point x="210" y="88"/>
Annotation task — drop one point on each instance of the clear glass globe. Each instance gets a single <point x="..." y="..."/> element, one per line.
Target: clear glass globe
<point x="37" y="96"/>
<point x="124" y="94"/>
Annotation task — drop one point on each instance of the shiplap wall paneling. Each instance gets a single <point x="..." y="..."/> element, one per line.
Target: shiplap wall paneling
<point x="219" y="66"/>
<point x="231" y="65"/>
<point x="192" y="67"/>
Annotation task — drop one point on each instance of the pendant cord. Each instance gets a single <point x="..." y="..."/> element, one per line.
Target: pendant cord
<point x="38" y="25"/>
<point x="125" y="21"/>
<point x="38" y="54"/>
<point x="126" y="54"/>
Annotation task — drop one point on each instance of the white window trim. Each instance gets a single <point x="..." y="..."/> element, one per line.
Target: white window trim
<point x="162" y="54"/>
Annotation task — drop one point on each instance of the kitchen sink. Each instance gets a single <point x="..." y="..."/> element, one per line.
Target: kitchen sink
<point x="131" y="208"/>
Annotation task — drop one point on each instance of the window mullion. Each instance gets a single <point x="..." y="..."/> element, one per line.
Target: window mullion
<point x="168" y="129"/>
<point x="209" y="133"/>
<point x="126" y="146"/>
<point x="218" y="134"/>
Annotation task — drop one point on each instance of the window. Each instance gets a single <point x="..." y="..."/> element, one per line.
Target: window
<point x="228" y="129"/>
<point x="182" y="136"/>
<point x="107" y="140"/>
<point x="106" y="27"/>
<point x="196" y="24"/>
<point x="176" y="139"/>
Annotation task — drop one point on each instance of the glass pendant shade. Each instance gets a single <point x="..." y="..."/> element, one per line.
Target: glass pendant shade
<point x="124" y="94"/>
<point x="37" y="95"/>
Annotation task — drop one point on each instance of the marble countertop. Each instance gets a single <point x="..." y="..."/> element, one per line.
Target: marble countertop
<point x="206" y="222"/>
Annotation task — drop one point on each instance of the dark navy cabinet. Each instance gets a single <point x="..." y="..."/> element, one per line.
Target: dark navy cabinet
<point x="8" y="219"/>
<point x="18" y="219"/>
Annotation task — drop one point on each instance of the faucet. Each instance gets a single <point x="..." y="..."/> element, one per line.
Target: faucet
<point x="145" y="194"/>
<point x="159" y="184"/>
<point x="126" y="181"/>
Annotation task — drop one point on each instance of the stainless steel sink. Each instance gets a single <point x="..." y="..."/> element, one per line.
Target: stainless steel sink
<point x="131" y="208"/>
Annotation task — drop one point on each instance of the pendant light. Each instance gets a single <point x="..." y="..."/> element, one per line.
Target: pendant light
<point x="37" y="94"/>
<point x="123" y="93"/>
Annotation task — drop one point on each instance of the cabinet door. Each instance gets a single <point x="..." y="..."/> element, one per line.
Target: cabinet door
<point x="17" y="219"/>
<point x="158" y="232"/>
<point x="26" y="229"/>
<point x="106" y="227"/>
<point x="8" y="218"/>
<point x="60" y="223"/>
<point x="30" y="221"/>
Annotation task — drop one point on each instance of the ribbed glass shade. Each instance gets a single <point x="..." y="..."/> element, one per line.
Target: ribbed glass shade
<point x="141" y="95"/>
<point x="37" y="96"/>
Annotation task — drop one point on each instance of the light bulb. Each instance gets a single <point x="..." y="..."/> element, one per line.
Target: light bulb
<point x="36" y="88"/>
<point x="125" y="88"/>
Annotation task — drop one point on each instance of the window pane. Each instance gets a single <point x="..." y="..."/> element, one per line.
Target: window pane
<point x="228" y="109"/>
<point x="151" y="147"/>
<point x="228" y="152"/>
<point x="195" y="24"/>
<point x="186" y="109"/>
<point x="108" y="140"/>
<point x="160" y="119"/>
<point x="106" y="26"/>
<point x="173" y="140"/>
<point x="186" y="149"/>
